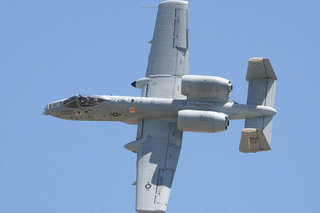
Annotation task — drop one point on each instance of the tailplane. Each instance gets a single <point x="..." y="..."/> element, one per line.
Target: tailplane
<point x="256" y="135"/>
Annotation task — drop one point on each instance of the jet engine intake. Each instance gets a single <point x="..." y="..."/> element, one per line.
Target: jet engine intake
<point x="202" y="121"/>
<point x="208" y="88"/>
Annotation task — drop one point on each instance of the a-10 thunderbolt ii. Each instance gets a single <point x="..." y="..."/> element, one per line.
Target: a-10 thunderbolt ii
<point x="173" y="102"/>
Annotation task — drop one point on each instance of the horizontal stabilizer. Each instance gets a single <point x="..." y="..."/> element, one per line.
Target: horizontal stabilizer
<point x="253" y="140"/>
<point x="256" y="135"/>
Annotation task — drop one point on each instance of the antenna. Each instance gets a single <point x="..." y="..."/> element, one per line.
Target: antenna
<point x="152" y="6"/>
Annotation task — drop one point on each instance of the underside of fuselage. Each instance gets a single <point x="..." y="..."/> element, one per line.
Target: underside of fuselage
<point x="132" y="109"/>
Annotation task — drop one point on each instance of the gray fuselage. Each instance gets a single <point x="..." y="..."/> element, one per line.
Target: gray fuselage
<point x="132" y="109"/>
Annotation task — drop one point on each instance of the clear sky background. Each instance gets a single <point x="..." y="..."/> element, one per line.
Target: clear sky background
<point x="53" y="49"/>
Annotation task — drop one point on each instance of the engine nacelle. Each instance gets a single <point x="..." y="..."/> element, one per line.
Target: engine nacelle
<point x="197" y="87"/>
<point x="202" y="121"/>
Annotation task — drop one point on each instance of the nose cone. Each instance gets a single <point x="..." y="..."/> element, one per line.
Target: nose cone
<point x="46" y="110"/>
<point x="53" y="109"/>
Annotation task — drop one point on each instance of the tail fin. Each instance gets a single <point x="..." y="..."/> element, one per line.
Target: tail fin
<point x="256" y="135"/>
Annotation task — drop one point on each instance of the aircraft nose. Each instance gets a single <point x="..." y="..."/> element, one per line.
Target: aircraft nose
<point x="53" y="108"/>
<point x="46" y="110"/>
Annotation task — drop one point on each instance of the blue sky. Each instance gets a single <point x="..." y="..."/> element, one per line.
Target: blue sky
<point x="54" y="49"/>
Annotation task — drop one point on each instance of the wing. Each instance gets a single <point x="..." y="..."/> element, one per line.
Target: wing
<point x="168" y="58"/>
<point x="156" y="164"/>
<point x="159" y="140"/>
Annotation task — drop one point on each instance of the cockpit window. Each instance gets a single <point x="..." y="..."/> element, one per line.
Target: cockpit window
<point x="71" y="102"/>
<point x="82" y="101"/>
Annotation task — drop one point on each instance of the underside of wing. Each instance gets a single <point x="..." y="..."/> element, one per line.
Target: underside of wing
<point x="158" y="142"/>
<point x="157" y="160"/>
<point x="168" y="58"/>
<point x="170" y="40"/>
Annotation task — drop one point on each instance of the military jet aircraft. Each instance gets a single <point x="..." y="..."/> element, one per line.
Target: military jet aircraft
<point x="173" y="102"/>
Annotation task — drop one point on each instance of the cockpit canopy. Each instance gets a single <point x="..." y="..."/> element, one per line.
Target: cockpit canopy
<point x="82" y="101"/>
